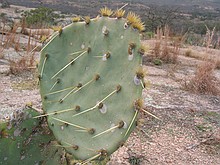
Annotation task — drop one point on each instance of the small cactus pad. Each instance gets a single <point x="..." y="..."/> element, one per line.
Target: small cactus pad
<point x="25" y="140"/>
<point x="89" y="83"/>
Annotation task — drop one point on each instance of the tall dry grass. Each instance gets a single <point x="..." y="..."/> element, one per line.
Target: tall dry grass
<point x="26" y="51"/>
<point x="167" y="48"/>
<point x="209" y="38"/>
<point x="204" y="80"/>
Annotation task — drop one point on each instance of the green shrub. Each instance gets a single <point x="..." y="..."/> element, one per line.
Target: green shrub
<point x="157" y="62"/>
<point x="5" y="4"/>
<point x="147" y="35"/>
<point x="40" y="17"/>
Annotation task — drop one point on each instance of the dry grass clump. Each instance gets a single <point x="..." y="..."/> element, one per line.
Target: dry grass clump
<point x="166" y="53"/>
<point x="188" y="53"/>
<point x="204" y="57"/>
<point x="217" y="63"/>
<point x="167" y="48"/>
<point x="204" y="80"/>
<point x="26" y="51"/>
<point x="23" y="64"/>
<point x="196" y="55"/>
<point x="209" y="37"/>
<point x="156" y="49"/>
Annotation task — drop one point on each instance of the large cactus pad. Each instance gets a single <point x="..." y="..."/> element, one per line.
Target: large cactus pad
<point x="25" y="140"/>
<point x="89" y="80"/>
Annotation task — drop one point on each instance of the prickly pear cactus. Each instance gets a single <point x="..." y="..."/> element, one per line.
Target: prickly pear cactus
<point x="90" y="80"/>
<point x="25" y="140"/>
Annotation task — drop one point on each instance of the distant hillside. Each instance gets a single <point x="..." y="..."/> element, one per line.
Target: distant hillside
<point x="88" y="6"/>
<point x="181" y="15"/>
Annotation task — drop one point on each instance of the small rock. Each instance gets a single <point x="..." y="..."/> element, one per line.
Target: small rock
<point x="18" y="30"/>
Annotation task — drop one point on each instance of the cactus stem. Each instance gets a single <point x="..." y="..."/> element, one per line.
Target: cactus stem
<point x="68" y="64"/>
<point x="136" y="112"/>
<point x="92" y="108"/>
<point x="72" y="91"/>
<point x="92" y="158"/>
<point x="150" y="114"/>
<point x="110" y="129"/>
<point x="74" y="125"/>
<point x="42" y="70"/>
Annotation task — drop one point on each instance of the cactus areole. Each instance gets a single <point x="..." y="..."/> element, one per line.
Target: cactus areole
<point x="89" y="84"/>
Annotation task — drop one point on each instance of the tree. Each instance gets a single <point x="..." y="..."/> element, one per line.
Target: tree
<point x="160" y="16"/>
<point x="40" y="17"/>
<point x="4" y="4"/>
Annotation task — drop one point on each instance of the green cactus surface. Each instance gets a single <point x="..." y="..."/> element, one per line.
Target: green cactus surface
<point x="89" y="83"/>
<point x="25" y="141"/>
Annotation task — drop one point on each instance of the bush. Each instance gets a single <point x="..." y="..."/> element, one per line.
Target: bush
<point x="204" y="81"/>
<point x="157" y="62"/>
<point x="5" y="4"/>
<point x="2" y="15"/>
<point x="188" y="53"/>
<point x="148" y="35"/>
<point x="40" y="17"/>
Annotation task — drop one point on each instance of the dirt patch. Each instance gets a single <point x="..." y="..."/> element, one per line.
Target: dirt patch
<point x="16" y="91"/>
<point x="177" y="139"/>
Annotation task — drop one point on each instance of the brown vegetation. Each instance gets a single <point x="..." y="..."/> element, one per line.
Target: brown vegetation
<point x="26" y="51"/>
<point x="211" y="57"/>
<point x="188" y="53"/>
<point x="167" y="48"/>
<point x="204" y="81"/>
